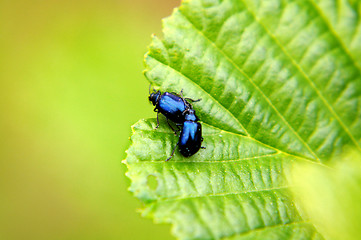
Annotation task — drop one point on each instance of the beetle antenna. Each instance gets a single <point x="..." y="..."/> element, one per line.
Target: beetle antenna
<point x="150" y="85"/>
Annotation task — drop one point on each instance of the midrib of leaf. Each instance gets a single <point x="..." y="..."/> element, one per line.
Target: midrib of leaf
<point x="223" y="194"/>
<point x="227" y="161"/>
<point x="278" y="151"/>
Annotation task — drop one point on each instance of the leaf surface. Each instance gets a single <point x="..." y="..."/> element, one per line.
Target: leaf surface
<point x="280" y="83"/>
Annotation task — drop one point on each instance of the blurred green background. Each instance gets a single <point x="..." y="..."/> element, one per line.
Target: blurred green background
<point x="71" y="85"/>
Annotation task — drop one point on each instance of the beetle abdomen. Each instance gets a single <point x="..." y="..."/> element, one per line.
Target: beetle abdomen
<point x="190" y="139"/>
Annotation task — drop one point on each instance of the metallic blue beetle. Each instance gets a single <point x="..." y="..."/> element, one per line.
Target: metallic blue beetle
<point x="170" y="105"/>
<point x="180" y="111"/>
<point x="190" y="139"/>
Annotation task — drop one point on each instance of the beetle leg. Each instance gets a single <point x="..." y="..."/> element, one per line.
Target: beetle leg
<point x="202" y="141"/>
<point x="187" y="103"/>
<point x="175" y="132"/>
<point x="157" y="121"/>
<point x="172" y="153"/>
<point x="183" y="99"/>
<point x="192" y="100"/>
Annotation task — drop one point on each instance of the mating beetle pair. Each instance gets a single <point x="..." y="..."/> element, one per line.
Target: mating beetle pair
<point x="180" y="111"/>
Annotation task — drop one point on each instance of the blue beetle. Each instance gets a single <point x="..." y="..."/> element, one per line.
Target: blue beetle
<point x="190" y="138"/>
<point x="170" y="105"/>
<point x="180" y="111"/>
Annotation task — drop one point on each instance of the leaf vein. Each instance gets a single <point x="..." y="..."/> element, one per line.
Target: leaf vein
<point x="265" y="227"/>
<point x="224" y="161"/>
<point x="333" y="32"/>
<point x="222" y="194"/>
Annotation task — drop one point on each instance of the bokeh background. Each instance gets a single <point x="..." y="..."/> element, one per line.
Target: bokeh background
<point x="71" y="85"/>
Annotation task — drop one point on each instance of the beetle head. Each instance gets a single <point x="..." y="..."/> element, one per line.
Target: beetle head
<point x="190" y="115"/>
<point x="153" y="97"/>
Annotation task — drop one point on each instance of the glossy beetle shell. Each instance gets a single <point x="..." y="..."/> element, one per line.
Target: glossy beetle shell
<point x="171" y="106"/>
<point x="190" y="139"/>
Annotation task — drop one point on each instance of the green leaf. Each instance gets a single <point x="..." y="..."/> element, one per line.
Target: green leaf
<point x="331" y="197"/>
<point x="280" y="83"/>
